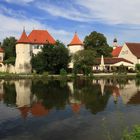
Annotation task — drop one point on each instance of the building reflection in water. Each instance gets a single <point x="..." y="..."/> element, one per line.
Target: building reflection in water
<point x="1" y="90"/>
<point x="38" y="98"/>
<point x="74" y="102"/>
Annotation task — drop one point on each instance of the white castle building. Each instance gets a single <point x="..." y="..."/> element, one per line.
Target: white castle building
<point x="30" y="45"/>
<point x="27" y="46"/>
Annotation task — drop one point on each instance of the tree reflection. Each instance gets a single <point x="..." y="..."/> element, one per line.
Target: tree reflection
<point x="91" y="96"/>
<point x="52" y="94"/>
<point x="9" y="94"/>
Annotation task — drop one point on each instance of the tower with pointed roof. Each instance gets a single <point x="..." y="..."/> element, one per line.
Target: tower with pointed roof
<point x="23" y="54"/>
<point x="75" y="45"/>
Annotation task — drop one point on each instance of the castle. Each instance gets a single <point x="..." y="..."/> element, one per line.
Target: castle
<point x="27" y="46"/>
<point x="32" y="44"/>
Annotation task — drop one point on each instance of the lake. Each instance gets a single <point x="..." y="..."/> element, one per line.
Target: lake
<point x="72" y="110"/>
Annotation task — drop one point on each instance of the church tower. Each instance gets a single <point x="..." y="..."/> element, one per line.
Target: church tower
<point x="23" y="55"/>
<point x="115" y="43"/>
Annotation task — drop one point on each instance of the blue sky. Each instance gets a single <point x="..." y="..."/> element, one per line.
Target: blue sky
<point x="114" y="18"/>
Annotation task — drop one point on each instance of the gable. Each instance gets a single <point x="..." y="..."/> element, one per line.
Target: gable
<point x="127" y="54"/>
<point x="134" y="48"/>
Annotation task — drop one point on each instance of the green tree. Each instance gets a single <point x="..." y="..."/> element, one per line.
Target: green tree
<point x="133" y="135"/>
<point x="83" y="61"/>
<point x="137" y="67"/>
<point x="51" y="59"/>
<point x="38" y="63"/>
<point x="9" y="47"/>
<point x="98" y="42"/>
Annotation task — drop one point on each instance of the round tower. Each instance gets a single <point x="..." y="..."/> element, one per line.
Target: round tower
<point x="23" y="55"/>
<point x="76" y="44"/>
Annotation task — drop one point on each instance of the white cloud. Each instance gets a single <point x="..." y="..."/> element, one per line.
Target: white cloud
<point x="11" y="12"/>
<point x="105" y="11"/>
<point x="13" y="27"/>
<point x="65" y="12"/>
<point x="19" y="1"/>
<point x="113" y="11"/>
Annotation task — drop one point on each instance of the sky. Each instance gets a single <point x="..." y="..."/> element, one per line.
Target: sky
<point x="62" y="18"/>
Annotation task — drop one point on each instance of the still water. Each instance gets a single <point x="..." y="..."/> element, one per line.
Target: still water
<point x="73" y="110"/>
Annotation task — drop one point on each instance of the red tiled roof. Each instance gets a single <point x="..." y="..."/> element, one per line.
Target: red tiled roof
<point x="23" y="38"/>
<point x="41" y="37"/>
<point x="39" y="110"/>
<point x="24" y="111"/>
<point x="134" y="48"/>
<point x="116" y="51"/>
<point x="112" y="60"/>
<point x="76" y="40"/>
<point x="1" y="49"/>
<point x="76" y="107"/>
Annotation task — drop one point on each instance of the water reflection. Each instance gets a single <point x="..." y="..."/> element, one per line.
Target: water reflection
<point x="38" y="98"/>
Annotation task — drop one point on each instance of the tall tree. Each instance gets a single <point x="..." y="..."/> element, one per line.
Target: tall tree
<point x="51" y="59"/>
<point x="84" y="61"/>
<point x="97" y="42"/>
<point x="9" y="47"/>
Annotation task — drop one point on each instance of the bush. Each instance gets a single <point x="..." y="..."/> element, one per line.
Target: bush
<point x="137" y="66"/>
<point x="138" y="75"/>
<point x="10" y="60"/>
<point x="63" y="72"/>
<point x="45" y="73"/>
<point x="122" y="70"/>
<point x="134" y="135"/>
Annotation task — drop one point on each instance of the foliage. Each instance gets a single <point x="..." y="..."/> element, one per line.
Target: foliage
<point x="137" y="67"/>
<point x="51" y="59"/>
<point x="59" y="43"/>
<point x="10" y="60"/>
<point x="9" y="47"/>
<point x="63" y="72"/>
<point x="122" y="69"/>
<point x="133" y="135"/>
<point x="10" y="94"/>
<point x="52" y="94"/>
<point x="38" y="63"/>
<point x="138" y="75"/>
<point x="98" y="42"/>
<point x="83" y="61"/>
<point x="45" y="73"/>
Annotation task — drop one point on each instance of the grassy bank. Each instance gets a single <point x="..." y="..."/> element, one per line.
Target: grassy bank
<point x="66" y="77"/>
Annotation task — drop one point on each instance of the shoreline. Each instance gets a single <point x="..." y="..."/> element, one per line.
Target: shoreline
<point x="67" y="77"/>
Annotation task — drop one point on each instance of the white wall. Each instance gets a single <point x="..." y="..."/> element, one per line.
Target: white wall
<point x="75" y="48"/>
<point x="23" y="93"/>
<point x="72" y="50"/>
<point x="1" y="56"/>
<point x="36" y="49"/>
<point x="127" y="54"/>
<point x="23" y="58"/>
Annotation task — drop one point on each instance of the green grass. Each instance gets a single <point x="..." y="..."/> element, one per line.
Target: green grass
<point x="133" y="135"/>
